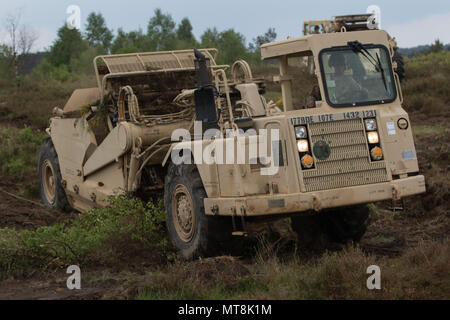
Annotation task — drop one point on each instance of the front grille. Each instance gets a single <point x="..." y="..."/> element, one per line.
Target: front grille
<point x="349" y="161"/>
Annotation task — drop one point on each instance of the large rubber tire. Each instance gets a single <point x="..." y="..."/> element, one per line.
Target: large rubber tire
<point x="319" y="230"/>
<point x="311" y="231"/>
<point x="49" y="174"/>
<point x="192" y="232"/>
<point x="347" y="223"/>
<point x="400" y="65"/>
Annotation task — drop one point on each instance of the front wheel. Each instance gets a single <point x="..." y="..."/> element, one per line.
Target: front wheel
<point x="192" y="232"/>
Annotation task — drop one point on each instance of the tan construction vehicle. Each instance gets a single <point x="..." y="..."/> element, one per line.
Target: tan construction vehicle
<point x="223" y="157"/>
<point x="349" y="23"/>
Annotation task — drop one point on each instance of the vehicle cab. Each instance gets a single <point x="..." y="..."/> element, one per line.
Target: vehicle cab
<point x="353" y="144"/>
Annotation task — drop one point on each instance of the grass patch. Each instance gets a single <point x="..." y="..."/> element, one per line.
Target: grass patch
<point x="427" y="85"/>
<point x="384" y="241"/>
<point x="32" y="99"/>
<point x="125" y="228"/>
<point x="419" y="274"/>
<point x="19" y="149"/>
<point x="428" y="130"/>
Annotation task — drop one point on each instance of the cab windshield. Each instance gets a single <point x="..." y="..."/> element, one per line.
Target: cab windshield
<point x="357" y="75"/>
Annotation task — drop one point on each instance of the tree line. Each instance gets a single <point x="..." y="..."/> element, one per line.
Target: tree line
<point x="73" y="50"/>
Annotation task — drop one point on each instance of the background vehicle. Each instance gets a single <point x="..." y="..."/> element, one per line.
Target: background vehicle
<point x="332" y="159"/>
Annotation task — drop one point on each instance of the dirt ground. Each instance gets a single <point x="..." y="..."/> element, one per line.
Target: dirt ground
<point x="19" y="214"/>
<point x="425" y="218"/>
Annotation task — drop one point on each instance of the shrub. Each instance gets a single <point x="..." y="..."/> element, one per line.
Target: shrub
<point x="122" y="229"/>
<point x="18" y="151"/>
<point x="33" y="100"/>
<point x="427" y="88"/>
<point x="48" y="71"/>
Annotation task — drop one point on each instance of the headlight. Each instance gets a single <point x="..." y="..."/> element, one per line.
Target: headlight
<point x="371" y="124"/>
<point x="302" y="145"/>
<point x="373" y="137"/>
<point x="376" y="154"/>
<point x="300" y="132"/>
<point x="307" y="161"/>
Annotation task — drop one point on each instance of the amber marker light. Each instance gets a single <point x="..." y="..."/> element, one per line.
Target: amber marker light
<point x="376" y="154"/>
<point x="307" y="161"/>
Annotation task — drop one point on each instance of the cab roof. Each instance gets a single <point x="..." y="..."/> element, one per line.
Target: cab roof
<point x="315" y="42"/>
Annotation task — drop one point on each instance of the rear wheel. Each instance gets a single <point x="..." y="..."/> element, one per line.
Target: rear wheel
<point x="192" y="232"/>
<point x="52" y="192"/>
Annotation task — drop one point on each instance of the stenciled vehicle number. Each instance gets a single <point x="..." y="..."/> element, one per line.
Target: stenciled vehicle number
<point x="360" y="114"/>
<point x="334" y="117"/>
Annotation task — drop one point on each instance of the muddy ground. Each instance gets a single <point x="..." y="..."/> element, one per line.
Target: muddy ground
<point x="425" y="218"/>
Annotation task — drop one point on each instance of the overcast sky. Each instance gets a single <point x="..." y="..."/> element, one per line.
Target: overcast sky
<point x="411" y="22"/>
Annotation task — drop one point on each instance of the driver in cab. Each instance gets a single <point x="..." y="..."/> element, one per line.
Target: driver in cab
<point x="346" y="89"/>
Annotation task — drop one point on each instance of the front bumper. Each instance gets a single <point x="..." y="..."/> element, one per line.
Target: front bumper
<point x="297" y="202"/>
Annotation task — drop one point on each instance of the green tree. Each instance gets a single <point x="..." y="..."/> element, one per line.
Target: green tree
<point x="437" y="46"/>
<point x="133" y="41"/>
<point x="161" y="31"/>
<point x="268" y="37"/>
<point x="6" y="62"/>
<point x="231" y="44"/>
<point x="185" y="39"/>
<point x="68" y="45"/>
<point x="231" y="47"/>
<point x="185" y="35"/>
<point x="83" y="64"/>
<point x="97" y="33"/>
<point x="210" y="38"/>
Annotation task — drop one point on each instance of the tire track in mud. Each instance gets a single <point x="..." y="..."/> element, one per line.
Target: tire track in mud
<point x="18" y="214"/>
